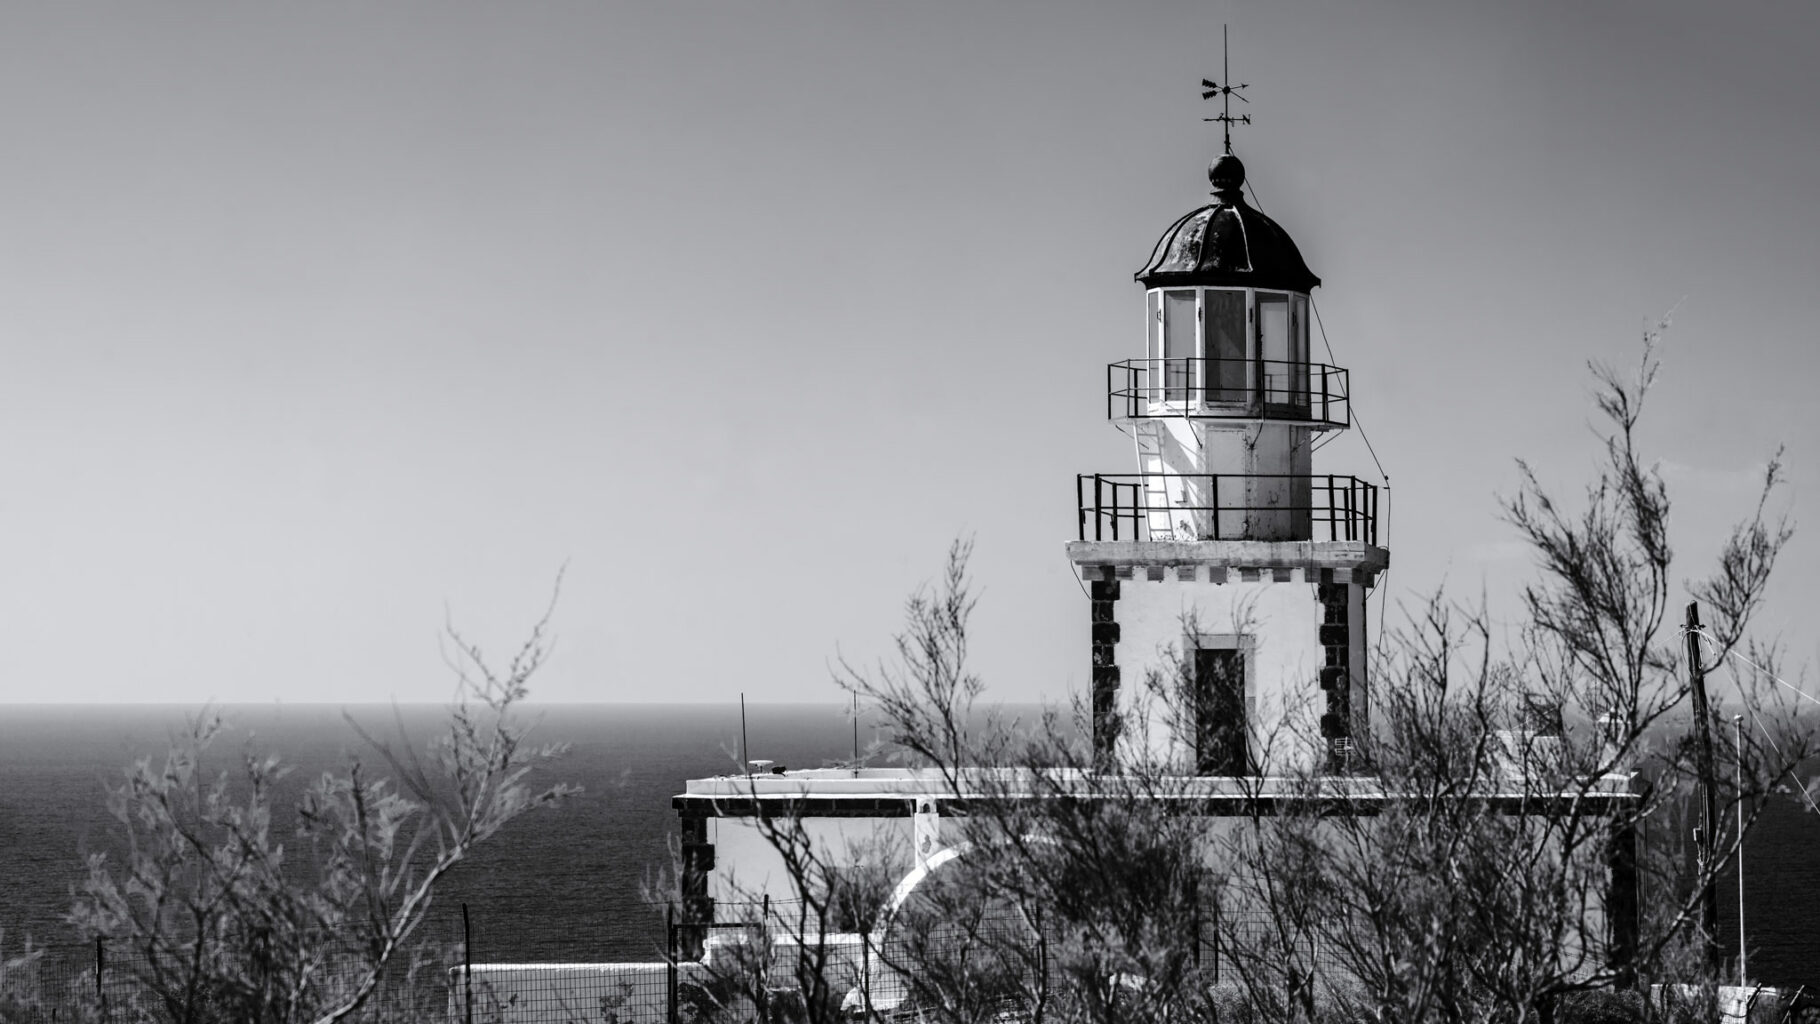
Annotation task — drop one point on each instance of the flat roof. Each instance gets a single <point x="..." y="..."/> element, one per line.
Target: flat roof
<point x="892" y="792"/>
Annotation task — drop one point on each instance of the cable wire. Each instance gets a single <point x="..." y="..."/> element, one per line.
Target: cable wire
<point x="1777" y="747"/>
<point x="1799" y="692"/>
<point x="1351" y="404"/>
<point x="1074" y="574"/>
<point x="1352" y="409"/>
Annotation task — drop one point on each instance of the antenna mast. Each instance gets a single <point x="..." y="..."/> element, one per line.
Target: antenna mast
<point x="1225" y="92"/>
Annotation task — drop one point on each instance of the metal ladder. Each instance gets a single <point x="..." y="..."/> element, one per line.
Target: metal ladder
<point x="1155" y="488"/>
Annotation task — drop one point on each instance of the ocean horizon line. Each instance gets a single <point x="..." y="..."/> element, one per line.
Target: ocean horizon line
<point x="281" y="702"/>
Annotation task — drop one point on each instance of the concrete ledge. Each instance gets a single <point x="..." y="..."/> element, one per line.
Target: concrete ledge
<point x="1354" y="556"/>
<point x="812" y="796"/>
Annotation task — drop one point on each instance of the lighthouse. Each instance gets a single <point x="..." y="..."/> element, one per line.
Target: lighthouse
<point x="1226" y="577"/>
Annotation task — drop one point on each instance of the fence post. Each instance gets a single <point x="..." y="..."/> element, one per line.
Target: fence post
<point x="100" y="965"/>
<point x="1216" y="940"/>
<point x="1352" y="510"/>
<point x="764" y="959"/>
<point x="1115" y="509"/>
<point x="467" y="967"/>
<point x="1096" y="506"/>
<point x="1198" y="935"/>
<point x="1342" y="522"/>
<point x="670" y="960"/>
<point x="1334" y="504"/>
<point x="1098" y="515"/>
<point x="1080" y="511"/>
<point x="1042" y="966"/>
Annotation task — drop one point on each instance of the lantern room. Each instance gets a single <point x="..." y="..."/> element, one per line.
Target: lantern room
<point x="1227" y="321"/>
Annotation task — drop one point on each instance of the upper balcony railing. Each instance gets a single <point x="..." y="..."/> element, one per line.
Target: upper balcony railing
<point x="1226" y="506"/>
<point x="1235" y="389"/>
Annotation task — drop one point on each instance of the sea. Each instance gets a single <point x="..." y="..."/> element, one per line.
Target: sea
<point x="569" y="883"/>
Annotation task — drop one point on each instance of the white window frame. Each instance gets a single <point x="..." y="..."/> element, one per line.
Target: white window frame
<point x="1254" y="341"/>
<point x="1247" y="646"/>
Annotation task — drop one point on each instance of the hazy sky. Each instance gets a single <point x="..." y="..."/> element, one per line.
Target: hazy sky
<point x="318" y="322"/>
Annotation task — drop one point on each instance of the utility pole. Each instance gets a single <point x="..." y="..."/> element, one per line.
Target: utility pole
<point x="1738" y="781"/>
<point x="1706" y="839"/>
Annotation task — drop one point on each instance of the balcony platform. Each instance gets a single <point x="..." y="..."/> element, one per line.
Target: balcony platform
<point x="1230" y="561"/>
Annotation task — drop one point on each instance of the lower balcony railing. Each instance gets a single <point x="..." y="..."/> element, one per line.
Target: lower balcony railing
<point x="1226" y="506"/>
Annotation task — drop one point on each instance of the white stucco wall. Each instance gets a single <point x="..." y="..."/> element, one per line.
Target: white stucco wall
<point x="1272" y="500"/>
<point x="748" y="867"/>
<point x="1279" y="623"/>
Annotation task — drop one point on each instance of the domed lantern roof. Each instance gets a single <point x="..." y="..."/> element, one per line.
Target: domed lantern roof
<point x="1227" y="243"/>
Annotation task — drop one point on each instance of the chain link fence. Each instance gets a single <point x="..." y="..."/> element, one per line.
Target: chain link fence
<point x="117" y="983"/>
<point x="766" y="962"/>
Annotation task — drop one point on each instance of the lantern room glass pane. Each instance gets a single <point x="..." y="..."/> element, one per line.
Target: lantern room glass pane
<point x="1224" y="320"/>
<point x="1178" y="344"/>
<point x="1273" y="338"/>
<point x="1298" y="350"/>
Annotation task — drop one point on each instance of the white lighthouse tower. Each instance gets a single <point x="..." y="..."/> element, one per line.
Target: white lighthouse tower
<point x="1227" y="579"/>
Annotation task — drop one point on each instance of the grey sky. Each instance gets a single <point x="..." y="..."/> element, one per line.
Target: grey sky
<point x="318" y="319"/>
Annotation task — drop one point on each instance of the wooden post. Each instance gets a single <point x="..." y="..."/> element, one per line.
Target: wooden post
<point x="1042" y="968"/>
<point x="467" y="967"/>
<point x="762" y="941"/>
<point x="1216" y="939"/>
<point x="1622" y="908"/>
<point x="1194" y="911"/>
<point x="1738" y="776"/>
<point x="670" y="959"/>
<point x="1709" y="795"/>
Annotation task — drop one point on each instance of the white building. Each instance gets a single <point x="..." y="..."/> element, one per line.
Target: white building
<point x="1223" y="567"/>
<point x="1223" y="573"/>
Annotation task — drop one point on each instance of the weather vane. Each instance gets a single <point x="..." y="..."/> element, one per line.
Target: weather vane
<point x="1225" y="93"/>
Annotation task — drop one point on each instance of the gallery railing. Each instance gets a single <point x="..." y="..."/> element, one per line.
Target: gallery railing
<point x="1269" y="389"/>
<point x="1226" y="506"/>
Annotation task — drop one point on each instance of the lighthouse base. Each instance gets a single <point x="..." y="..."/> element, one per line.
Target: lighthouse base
<point x="1229" y="657"/>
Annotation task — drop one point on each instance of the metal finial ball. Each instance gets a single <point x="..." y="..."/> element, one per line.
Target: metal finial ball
<point x="1227" y="175"/>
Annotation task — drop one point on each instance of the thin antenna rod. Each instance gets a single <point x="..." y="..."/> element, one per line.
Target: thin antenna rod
<point x="745" y="754"/>
<point x="1225" y="92"/>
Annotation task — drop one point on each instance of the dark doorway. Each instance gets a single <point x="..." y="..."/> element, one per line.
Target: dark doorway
<point x="1219" y="712"/>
